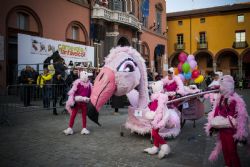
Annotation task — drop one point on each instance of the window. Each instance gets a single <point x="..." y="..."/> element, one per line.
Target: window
<point x="241" y="18"/>
<point x="179" y="38"/>
<point x="81" y="2"/>
<point x="22" y="21"/>
<point x="130" y="6"/>
<point x="118" y="5"/>
<point x="202" y="20"/>
<point x="144" y="13"/>
<point x="145" y="21"/>
<point x="145" y="53"/>
<point x="158" y="21"/>
<point x="203" y="38"/>
<point x="240" y="36"/>
<point x="158" y="11"/>
<point x="180" y="23"/>
<point x="75" y="33"/>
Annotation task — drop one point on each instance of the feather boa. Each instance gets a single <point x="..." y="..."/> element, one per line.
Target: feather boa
<point x="242" y="131"/>
<point x="158" y="121"/>
<point x="178" y="81"/>
<point x="71" y="99"/>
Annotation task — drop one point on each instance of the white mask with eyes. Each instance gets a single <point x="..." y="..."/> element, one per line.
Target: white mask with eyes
<point x="84" y="76"/>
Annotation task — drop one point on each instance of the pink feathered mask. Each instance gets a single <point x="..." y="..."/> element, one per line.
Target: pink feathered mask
<point x="227" y="85"/>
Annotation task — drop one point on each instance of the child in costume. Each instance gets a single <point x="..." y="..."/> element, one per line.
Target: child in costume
<point x="230" y="114"/>
<point x="159" y="119"/>
<point x="173" y="83"/>
<point x="78" y="99"/>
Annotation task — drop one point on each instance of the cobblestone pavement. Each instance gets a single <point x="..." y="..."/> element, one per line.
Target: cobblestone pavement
<point x="36" y="139"/>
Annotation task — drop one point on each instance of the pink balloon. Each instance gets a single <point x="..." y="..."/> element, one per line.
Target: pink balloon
<point x="193" y="64"/>
<point x="180" y="67"/>
<point x="182" y="77"/>
<point x="182" y="57"/>
<point x="190" y="58"/>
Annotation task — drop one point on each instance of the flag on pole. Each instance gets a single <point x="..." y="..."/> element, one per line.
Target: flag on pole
<point x="145" y="8"/>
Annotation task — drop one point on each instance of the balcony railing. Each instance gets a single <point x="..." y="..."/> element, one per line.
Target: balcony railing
<point x="100" y="12"/>
<point x="240" y="45"/>
<point x="178" y="46"/>
<point x="203" y="45"/>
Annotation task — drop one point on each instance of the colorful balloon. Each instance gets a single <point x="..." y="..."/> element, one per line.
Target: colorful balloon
<point x="182" y="57"/>
<point x="176" y="71"/>
<point x="195" y="74"/>
<point x="199" y="79"/>
<point x="190" y="58"/>
<point x="185" y="67"/>
<point x="187" y="76"/>
<point x="192" y="64"/>
<point x="180" y="67"/>
<point x="182" y="77"/>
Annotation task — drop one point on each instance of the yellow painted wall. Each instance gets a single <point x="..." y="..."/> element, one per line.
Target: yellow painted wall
<point x="220" y="31"/>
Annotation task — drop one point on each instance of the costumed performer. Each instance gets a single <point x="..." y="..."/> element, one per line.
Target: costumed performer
<point x="78" y="98"/>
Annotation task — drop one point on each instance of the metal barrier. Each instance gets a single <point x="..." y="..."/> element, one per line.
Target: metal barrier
<point x="33" y="95"/>
<point x="30" y="97"/>
<point x="25" y="98"/>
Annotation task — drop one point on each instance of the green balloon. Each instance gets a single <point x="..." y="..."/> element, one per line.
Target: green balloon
<point x="185" y="67"/>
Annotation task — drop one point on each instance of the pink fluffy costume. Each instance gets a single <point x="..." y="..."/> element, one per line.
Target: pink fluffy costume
<point x="159" y="120"/>
<point x="78" y="99"/>
<point x="173" y="83"/>
<point x="232" y="107"/>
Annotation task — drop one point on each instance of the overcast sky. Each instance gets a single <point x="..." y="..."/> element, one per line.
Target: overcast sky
<point x="180" y="5"/>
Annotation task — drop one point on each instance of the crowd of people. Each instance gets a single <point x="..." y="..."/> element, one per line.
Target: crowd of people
<point x="53" y="82"/>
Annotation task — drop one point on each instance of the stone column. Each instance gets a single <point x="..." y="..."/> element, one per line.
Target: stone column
<point x="110" y="42"/>
<point x="240" y="67"/>
<point x="134" y="43"/>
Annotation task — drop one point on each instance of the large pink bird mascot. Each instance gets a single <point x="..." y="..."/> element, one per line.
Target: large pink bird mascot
<point x="230" y="118"/>
<point x="123" y="72"/>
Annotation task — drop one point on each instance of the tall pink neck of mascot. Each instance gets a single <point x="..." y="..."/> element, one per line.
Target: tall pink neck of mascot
<point x="124" y="71"/>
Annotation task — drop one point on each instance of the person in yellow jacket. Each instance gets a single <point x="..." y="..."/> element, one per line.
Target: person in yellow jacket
<point x="44" y="82"/>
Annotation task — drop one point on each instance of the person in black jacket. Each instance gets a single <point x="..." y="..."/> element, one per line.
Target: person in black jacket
<point x="28" y="77"/>
<point x="58" y="83"/>
<point x="71" y="78"/>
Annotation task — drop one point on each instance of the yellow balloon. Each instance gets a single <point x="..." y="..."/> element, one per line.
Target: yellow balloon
<point x="199" y="79"/>
<point x="196" y="80"/>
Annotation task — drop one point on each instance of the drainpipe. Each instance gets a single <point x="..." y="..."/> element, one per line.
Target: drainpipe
<point x="190" y="28"/>
<point x="90" y="12"/>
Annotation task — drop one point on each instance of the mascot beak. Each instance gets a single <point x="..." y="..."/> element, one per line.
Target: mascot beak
<point x="103" y="89"/>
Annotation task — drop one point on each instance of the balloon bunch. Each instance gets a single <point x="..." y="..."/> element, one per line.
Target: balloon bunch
<point x="187" y="69"/>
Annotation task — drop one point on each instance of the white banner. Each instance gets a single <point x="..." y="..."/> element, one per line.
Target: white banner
<point x="34" y="50"/>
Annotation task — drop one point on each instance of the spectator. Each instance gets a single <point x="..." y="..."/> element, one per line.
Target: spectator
<point x="117" y="102"/>
<point x="241" y="84"/>
<point x="215" y="83"/>
<point x="158" y="77"/>
<point x="72" y="77"/>
<point x="44" y="81"/>
<point x="58" y="84"/>
<point x="150" y="76"/>
<point x="28" y="77"/>
<point x="208" y="80"/>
